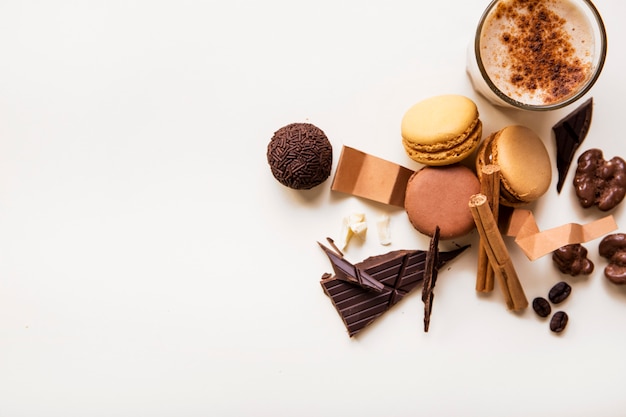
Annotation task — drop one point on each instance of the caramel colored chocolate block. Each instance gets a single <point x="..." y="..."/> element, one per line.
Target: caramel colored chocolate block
<point x="398" y="271"/>
<point x="368" y="176"/>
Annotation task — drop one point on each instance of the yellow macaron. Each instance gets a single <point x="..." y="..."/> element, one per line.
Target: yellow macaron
<point x="441" y="130"/>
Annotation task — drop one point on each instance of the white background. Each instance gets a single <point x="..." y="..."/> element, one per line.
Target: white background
<point x="150" y="265"/>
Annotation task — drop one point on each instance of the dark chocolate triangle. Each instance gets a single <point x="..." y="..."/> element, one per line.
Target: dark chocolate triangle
<point x="399" y="271"/>
<point x="569" y="133"/>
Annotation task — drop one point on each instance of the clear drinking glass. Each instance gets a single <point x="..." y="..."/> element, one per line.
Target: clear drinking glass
<point x="537" y="54"/>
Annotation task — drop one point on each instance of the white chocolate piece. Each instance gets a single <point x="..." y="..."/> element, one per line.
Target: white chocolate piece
<point x="346" y="233"/>
<point x="359" y="229"/>
<point x="356" y="218"/>
<point x="384" y="234"/>
<point x="354" y="224"/>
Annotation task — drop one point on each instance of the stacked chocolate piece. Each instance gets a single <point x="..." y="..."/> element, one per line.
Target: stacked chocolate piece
<point x="362" y="292"/>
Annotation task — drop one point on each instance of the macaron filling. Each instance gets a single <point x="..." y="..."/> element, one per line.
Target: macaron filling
<point x="445" y="153"/>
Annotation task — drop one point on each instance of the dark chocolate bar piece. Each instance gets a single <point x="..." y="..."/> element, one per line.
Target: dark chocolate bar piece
<point x="345" y="271"/>
<point x="569" y="134"/>
<point x="430" y="277"/>
<point x="398" y="271"/>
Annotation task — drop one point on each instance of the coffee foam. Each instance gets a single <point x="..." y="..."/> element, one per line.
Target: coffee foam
<point x="573" y="27"/>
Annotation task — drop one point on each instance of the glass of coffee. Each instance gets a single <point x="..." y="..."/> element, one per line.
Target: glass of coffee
<point x="537" y="54"/>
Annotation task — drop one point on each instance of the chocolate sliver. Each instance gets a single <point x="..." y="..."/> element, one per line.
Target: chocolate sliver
<point x="569" y="134"/>
<point x="399" y="271"/>
<point x="346" y="271"/>
<point x="430" y="277"/>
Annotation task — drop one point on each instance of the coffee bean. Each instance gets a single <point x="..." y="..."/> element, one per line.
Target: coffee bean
<point x="558" y="321"/>
<point x="559" y="292"/>
<point x="541" y="307"/>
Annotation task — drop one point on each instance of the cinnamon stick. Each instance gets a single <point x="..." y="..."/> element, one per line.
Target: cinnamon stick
<point x="497" y="253"/>
<point x="490" y="187"/>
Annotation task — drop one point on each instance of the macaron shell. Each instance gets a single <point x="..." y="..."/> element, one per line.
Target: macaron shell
<point x="439" y="196"/>
<point x="441" y="130"/>
<point x="438" y="119"/>
<point x="525" y="168"/>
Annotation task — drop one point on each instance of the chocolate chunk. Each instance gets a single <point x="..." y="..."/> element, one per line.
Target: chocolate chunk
<point x="613" y="248"/>
<point x="399" y="271"/>
<point x="600" y="182"/>
<point x="345" y="271"/>
<point x="572" y="259"/>
<point x="569" y="133"/>
<point x="430" y="277"/>
<point x="300" y="156"/>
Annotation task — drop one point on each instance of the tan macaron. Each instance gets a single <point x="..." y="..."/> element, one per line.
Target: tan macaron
<point x="441" y="130"/>
<point x="525" y="168"/>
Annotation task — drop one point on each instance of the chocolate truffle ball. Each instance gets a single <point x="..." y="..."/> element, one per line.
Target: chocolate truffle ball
<point x="300" y="156"/>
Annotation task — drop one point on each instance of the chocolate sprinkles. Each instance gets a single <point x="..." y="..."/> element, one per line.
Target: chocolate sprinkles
<point x="300" y="156"/>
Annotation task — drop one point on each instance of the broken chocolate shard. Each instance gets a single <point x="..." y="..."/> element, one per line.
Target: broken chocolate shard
<point x="345" y="271"/>
<point x="430" y="277"/>
<point x="399" y="271"/>
<point x="569" y="134"/>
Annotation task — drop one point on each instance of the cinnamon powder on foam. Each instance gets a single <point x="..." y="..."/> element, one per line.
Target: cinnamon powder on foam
<point x="541" y="59"/>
